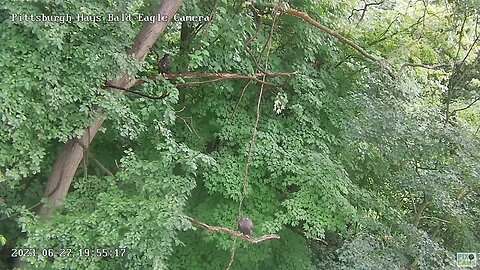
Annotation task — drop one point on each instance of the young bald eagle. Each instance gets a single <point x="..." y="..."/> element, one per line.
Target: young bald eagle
<point x="245" y="225"/>
<point x="165" y="64"/>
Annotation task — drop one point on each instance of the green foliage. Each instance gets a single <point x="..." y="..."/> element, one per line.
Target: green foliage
<point x="343" y="159"/>
<point x="3" y="240"/>
<point x="139" y="209"/>
<point x="45" y="94"/>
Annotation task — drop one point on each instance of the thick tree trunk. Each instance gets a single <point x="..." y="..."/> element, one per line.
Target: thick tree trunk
<point x="68" y="162"/>
<point x="65" y="168"/>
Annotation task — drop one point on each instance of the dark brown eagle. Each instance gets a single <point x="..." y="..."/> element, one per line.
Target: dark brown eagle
<point x="165" y="64"/>
<point x="245" y="225"/>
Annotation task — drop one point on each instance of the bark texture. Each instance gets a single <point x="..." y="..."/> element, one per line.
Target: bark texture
<point x="67" y="163"/>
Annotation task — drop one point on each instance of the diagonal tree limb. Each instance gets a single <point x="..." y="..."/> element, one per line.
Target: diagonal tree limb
<point x="213" y="76"/>
<point x="304" y="16"/>
<point x="225" y="76"/>
<point x="67" y="163"/>
<point x="253" y="240"/>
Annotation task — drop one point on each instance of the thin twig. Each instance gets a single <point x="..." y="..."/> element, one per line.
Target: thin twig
<point x="437" y="66"/>
<point x="192" y="128"/>
<point x="98" y="163"/>
<point x="435" y="218"/>
<point x="364" y="10"/>
<point x="240" y="98"/>
<point x="466" y="107"/>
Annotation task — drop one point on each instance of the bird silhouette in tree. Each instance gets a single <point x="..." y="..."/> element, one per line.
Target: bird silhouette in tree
<point x="165" y="64"/>
<point x="245" y="225"/>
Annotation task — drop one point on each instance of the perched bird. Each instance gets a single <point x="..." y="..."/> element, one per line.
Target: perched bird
<point x="165" y="64"/>
<point x="245" y="225"/>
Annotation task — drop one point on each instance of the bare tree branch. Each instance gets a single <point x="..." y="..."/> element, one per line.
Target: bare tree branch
<point x="421" y="19"/>
<point x="436" y="66"/>
<point x="466" y="107"/>
<point x="227" y="76"/>
<point x="266" y="49"/>
<point x="364" y="9"/>
<point x="214" y="76"/>
<point x="458" y="74"/>
<point x="304" y="16"/>
<point x="237" y="234"/>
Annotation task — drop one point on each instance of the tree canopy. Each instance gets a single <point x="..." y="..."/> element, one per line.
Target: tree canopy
<point x="347" y="131"/>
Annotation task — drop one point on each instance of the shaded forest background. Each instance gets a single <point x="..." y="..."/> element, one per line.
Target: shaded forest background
<point x="348" y="131"/>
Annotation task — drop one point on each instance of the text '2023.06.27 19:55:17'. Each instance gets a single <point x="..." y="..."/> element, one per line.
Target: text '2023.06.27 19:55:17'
<point x="68" y="252"/>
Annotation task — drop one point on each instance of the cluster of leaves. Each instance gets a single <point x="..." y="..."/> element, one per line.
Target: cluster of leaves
<point x="343" y="160"/>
